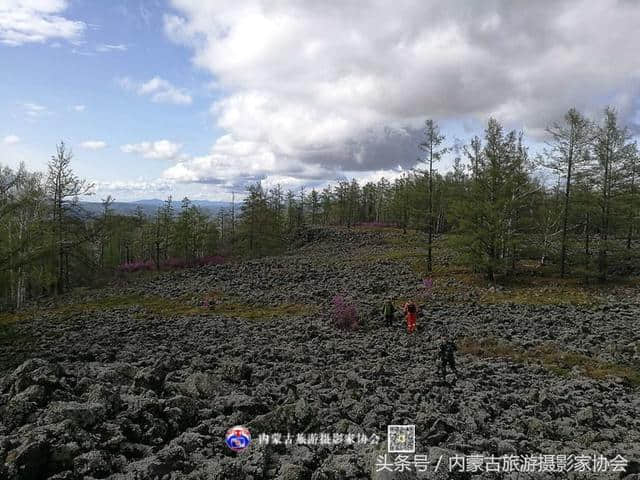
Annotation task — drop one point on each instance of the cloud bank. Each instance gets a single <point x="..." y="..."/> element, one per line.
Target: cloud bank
<point x="160" y="149"/>
<point x="314" y="88"/>
<point x="11" y="140"/>
<point x="36" y="21"/>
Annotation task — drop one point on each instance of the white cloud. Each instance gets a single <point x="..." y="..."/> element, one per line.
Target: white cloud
<point x="315" y="88"/>
<point x="36" y="21"/>
<point x="160" y="149"/>
<point x="158" y="89"/>
<point x="93" y="145"/>
<point x="11" y="140"/>
<point x="106" y="47"/>
<point x="34" y="110"/>
<point x="79" y="108"/>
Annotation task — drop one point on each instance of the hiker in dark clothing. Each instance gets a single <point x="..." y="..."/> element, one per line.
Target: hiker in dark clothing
<point x="447" y="356"/>
<point x="388" y="310"/>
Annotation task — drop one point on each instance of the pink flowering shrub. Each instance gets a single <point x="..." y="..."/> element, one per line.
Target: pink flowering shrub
<point x="344" y="314"/>
<point x="169" y="264"/>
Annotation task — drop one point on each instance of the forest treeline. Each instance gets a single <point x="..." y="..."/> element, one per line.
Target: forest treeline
<point x="495" y="205"/>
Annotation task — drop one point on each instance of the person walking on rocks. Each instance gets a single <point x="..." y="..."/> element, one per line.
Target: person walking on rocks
<point x="411" y="312"/>
<point x="388" y="310"/>
<point x="447" y="356"/>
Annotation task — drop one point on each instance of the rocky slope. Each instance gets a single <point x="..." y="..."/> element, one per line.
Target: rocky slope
<point x="134" y="392"/>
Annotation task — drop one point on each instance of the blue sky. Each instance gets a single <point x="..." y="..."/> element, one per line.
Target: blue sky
<point x="199" y="98"/>
<point x="59" y="90"/>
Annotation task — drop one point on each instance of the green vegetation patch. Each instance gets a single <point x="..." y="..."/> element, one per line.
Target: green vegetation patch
<point x="550" y="356"/>
<point x="218" y="304"/>
<point x="458" y="280"/>
<point x="399" y="239"/>
<point x="7" y="319"/>
<point x="553" y="295"/>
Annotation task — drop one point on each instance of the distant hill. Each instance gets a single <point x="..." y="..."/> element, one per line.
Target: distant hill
<point x="150" y="206"/>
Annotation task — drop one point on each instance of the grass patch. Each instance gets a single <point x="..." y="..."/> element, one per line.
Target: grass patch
<point x="116" y="302"/>
<point x="519" y="290"/>
<point x="7" y="319"/>
<point x="559" y="362"/>
<point x="412" y="237"/>
<point x="162" y="306"/>
<point x="552" y="295"/>
<point x="414" y="257"/>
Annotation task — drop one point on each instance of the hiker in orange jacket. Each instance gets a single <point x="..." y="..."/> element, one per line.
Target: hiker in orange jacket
<point x="411" y="313"/>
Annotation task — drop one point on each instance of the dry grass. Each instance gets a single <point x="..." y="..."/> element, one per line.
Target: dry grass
<point x="550" y="356"/>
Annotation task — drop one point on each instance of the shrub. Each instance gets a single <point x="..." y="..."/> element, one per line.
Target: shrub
<point x="170" y="264"/>
<point x="135" y="266"/>
<point x="344" y="314"/>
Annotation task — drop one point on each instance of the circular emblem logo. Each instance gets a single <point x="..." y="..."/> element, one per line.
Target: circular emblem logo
<point x="237" y="438"/>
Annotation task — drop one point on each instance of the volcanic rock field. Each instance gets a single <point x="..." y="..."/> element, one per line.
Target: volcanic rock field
<point x="141" y="379"/>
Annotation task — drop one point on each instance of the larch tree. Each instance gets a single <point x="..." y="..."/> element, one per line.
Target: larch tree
<point x="489" y="215"/>
<point x="63" y="189"/>
<point x="632" y="203"/>
<point x="314" y="201"/>
<point x="431" y="145"/>
<point x="566" y="148"/>
<point x="611" y="149"/>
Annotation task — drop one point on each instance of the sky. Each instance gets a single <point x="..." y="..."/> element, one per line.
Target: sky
<point x="200" y="98"/>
